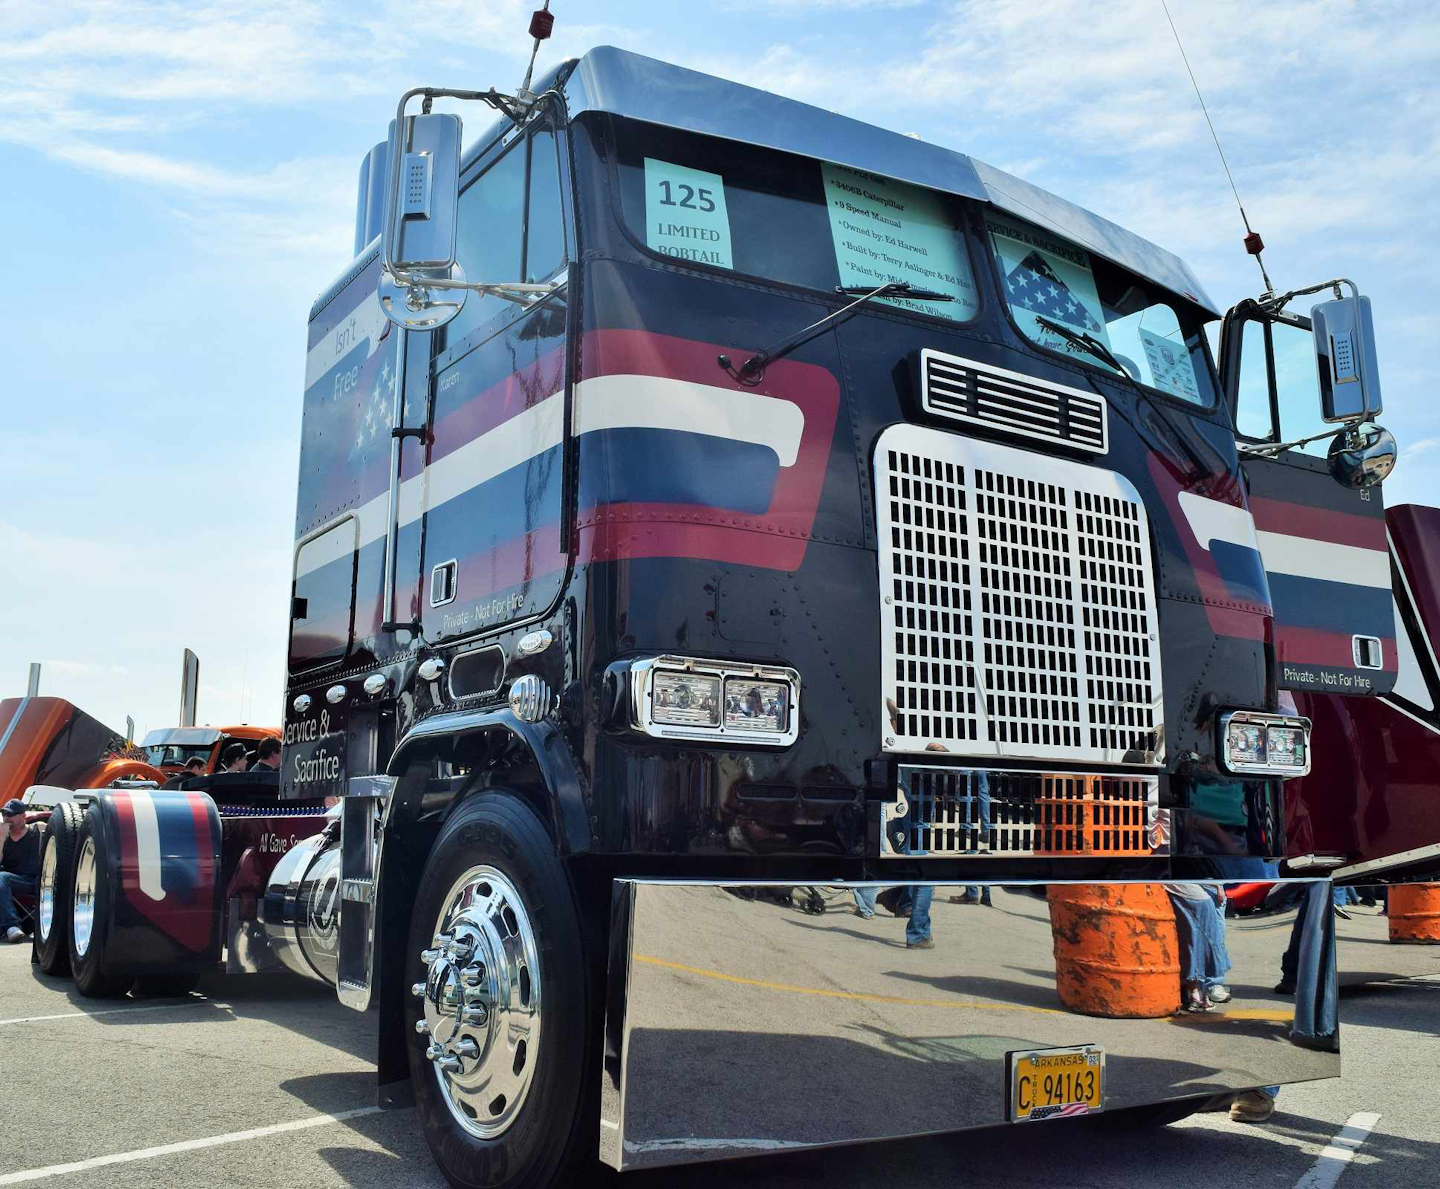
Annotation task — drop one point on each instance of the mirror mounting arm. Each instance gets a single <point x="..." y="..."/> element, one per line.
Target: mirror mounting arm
<point x="1272" y="304"/>
<point x="1270" y="450"/>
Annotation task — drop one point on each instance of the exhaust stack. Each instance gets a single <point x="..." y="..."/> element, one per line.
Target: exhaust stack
<point x="189" y="688"/>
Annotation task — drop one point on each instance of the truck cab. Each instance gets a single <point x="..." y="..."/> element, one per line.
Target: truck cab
<point x="757" y="499"/>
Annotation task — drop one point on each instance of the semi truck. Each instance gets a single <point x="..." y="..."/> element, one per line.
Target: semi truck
<point x="701" y="493"/>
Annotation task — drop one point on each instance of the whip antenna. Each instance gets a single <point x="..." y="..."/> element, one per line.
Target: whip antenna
<point x="1253" y="243"/>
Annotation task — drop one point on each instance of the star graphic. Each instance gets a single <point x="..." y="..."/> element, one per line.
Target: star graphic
<point x="1022" y="279"/>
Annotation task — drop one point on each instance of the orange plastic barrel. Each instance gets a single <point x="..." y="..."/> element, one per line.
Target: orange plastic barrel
<point x="1117" y="953"/>
<point x="1415" y="913"/>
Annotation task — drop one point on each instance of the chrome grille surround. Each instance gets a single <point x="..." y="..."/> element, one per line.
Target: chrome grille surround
<point x="991" y="813"/>
<point x="1011" y="402"/>
<point x="1017" y="604"/>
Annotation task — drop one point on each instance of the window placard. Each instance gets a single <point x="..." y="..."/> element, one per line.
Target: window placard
<point x="886" y="230"/>
<point x="1170" y="366"/>
<point x="1045" y="276"/>
<point x="685" y="213"/>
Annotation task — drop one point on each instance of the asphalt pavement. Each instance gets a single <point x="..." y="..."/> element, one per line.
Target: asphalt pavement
<point x="269" y="1082"/>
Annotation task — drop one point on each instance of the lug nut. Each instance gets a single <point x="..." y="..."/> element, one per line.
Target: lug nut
<point x="417" y="989"/>
<point x="442" y="939"/>
<point x="476" y="1015"/>
<point x="423" y="1027"/>
<point x="434" y="1052"/>
<point x="467" y="1048"/>
<point x="449" y="1065"/>
<point x="473" y="976"/>
<point x="430" y="957"/>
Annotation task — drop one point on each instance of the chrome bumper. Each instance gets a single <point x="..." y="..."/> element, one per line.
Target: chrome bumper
<point x="738" y="1025"/>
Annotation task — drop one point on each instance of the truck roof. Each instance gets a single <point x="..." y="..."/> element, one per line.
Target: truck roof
<point x="203" y="736"/>
<point x="621" y="83"/>
<point x="640" y="88"/>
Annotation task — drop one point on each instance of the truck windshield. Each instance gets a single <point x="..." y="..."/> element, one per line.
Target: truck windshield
<point x="175" y="754"/>
<point x="791" y="219"/>
<point x="1159" y="342"/>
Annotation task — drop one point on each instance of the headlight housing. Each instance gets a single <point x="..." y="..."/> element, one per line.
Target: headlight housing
<point x="1267" y="744"/>
<point x="676" y="697"/>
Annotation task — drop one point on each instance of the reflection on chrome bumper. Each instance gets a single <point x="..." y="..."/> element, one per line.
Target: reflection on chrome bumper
<point x="731" y="1007"/>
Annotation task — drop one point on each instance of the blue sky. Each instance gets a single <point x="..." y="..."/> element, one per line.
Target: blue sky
<point x="180" y="185"/>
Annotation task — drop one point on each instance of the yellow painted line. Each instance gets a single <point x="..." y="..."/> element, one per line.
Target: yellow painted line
<point x="1257" y="1013"/>
<point x="1277" y="1014"/>
<point x="863" y="997"/>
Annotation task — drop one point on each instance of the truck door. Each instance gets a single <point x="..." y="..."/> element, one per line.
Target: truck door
<point x="493" y="541"/>
<point x="1323" y="545"/>
<point x="340" y="508"/>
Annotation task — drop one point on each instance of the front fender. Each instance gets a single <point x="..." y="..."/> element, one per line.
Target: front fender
<point x="564" y="794"/>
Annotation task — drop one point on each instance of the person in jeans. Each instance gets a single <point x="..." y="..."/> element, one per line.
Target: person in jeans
<point x="917" y="928"/>
<point x="19" y="866"/>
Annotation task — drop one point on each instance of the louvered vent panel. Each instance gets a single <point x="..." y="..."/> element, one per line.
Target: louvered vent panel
<point x="1017" y="603"/>
<point x="959" y="811"/>
<point x="962" y="389"/>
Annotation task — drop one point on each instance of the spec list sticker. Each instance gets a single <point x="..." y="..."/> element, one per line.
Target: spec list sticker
<point x="685" y="213"/>
<point x="886" y="230"/>
<point x="1170" y="368"/>
<point x="1045" y="276"/>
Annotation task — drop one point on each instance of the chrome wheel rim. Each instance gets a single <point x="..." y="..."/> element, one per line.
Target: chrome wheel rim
<point x="482" y="1002"/>
<point x="84" y="920"/>
<point x="45" y="910"/>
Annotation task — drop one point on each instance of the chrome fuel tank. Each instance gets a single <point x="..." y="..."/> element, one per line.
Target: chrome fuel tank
<point x="301" y="913"/>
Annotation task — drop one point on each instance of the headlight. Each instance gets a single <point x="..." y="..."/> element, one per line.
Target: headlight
<point x="1266" y="744"/>
<point x="1285" y="747"/>
<point x="1245" y="744"/>
<point x="756" y="705"/>
<point x="676" y="697"/>
<point x="686" y="698"/>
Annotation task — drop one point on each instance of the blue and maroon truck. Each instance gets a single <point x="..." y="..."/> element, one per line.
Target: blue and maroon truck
<point x="705" y="496"/>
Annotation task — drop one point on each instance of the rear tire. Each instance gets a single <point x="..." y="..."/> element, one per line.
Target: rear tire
<point x="92" y="900"/>
<point x="519" y="1109"/>
<point x="53" y="900"/>
<point x="165" y="986"/>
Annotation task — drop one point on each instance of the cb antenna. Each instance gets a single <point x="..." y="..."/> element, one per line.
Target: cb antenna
<point x="542" y="21"/>
<point x="1253" y="243"/>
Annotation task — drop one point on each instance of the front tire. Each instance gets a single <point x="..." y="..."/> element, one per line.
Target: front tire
<point x="53" y="901"/>
<point x="506" y="1071"/>
<point x="93" y="900"/>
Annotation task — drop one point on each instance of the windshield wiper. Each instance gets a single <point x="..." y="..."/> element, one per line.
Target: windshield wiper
<point x="897" y="289"/>
<point x="1087" y="341"/>
<point x="753" y="368"/>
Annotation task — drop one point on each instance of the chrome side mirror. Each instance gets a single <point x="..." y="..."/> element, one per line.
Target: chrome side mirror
<point x="1361" y="455"/>
<point x="420" y="284"/>
<point x="1345" y="359"/>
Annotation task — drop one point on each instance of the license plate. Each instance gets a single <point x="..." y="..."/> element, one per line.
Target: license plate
<point x="1056" y="1083"/>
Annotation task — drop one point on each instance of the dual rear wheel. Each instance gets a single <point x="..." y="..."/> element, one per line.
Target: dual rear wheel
<point x="76" y="897"/>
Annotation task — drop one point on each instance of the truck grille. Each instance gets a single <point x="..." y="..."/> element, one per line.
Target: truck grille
<point x="964" y="390"/>
<point x="968" y="811"/>
<point x="1017" y="604"/>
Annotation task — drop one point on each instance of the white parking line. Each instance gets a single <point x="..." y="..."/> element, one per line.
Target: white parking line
<point x="189" y="1145"/>
<point x="1338" y="1152"/>
<point x="106" y="1011"/>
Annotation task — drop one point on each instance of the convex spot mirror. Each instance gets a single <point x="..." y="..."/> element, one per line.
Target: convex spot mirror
<point x="1361" y="455"/>
<point x="1345" y="359"/>
<point x="422" y="197"/>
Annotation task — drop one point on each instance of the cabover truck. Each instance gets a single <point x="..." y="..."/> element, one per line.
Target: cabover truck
<point x="702" y="494"/>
